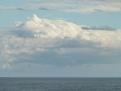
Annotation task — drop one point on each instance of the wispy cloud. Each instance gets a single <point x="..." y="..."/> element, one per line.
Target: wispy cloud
<point x="84" y="6"/>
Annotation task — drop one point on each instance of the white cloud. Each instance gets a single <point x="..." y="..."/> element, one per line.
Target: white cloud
<point x="52" y="40"/>
<point x="85" y="6"/>
<point x="59" y="30"/>
<point x="104" y="7"/>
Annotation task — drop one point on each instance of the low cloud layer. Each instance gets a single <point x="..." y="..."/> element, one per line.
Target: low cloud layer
<point x="58" y="42"/>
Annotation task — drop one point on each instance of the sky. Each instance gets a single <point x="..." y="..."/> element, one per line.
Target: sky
<point x="60" y="38"/>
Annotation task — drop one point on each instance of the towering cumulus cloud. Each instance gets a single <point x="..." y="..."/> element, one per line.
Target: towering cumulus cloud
<point x="58" y="42"/>
<point x="56" y="30"/>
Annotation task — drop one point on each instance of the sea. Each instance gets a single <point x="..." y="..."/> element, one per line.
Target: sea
<point x="60" y="84"/>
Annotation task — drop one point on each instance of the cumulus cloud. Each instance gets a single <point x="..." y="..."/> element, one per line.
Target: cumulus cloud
<point x="58" y="42"/>
<point x="60" y="30"/>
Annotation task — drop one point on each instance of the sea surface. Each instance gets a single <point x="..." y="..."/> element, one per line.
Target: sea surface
<point x="60" y="84"/>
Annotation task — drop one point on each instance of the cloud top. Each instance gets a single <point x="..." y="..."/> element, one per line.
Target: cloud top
<point x="61" y="30"/>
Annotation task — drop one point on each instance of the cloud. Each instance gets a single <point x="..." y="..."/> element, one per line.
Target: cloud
<point x="60" y="30"/>
<point x="103" y="7"/>
<point x="59" y="42"/>
<point x="98" y="28"/>
<point x="4" y="7"/>
<point x="83" y="6"/>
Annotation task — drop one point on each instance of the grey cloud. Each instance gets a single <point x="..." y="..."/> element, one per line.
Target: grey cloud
<point x="99" y="28"/>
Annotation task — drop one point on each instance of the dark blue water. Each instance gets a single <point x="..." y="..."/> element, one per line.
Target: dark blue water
<point x="60" y="84"/>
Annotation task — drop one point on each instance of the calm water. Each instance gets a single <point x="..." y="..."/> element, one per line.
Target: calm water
<point x="60" y="84"/>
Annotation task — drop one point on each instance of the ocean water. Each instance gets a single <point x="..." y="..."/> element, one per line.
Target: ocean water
<point x="60" y="84"/>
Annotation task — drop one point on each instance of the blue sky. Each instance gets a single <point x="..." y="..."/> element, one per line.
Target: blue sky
<point x="75" y="38"/>
<point x="99" y="18"/>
